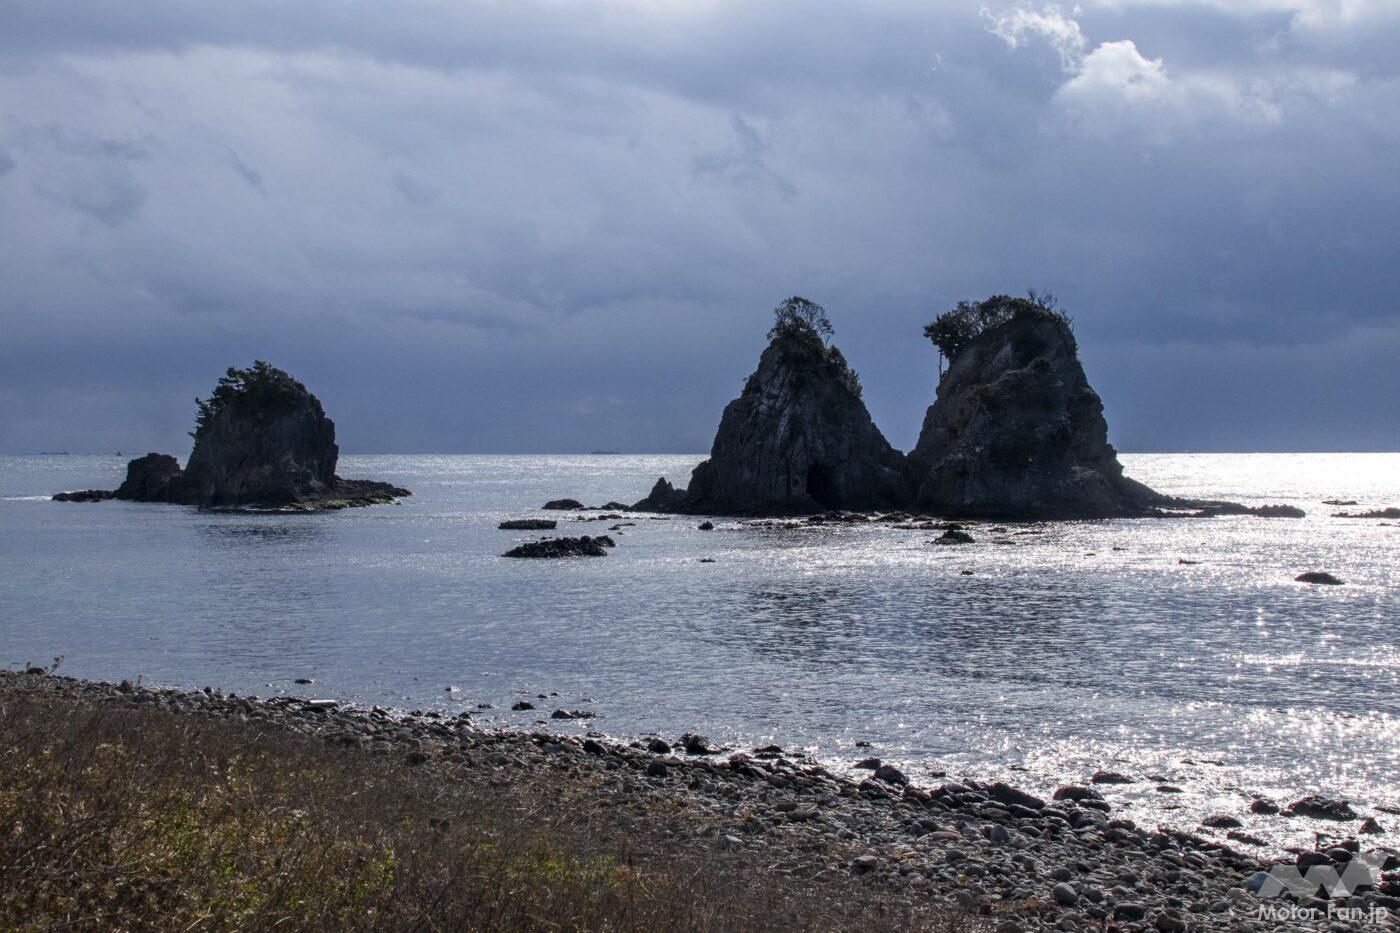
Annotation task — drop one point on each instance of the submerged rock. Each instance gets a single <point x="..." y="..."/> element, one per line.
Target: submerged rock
<point x="1320" y="577"/>
<point x="798" y="440"/>
<point x="1259" y="511"/>
<point x="1391" y="512"/>
<point x="583" y="546"/>
<point x="85" y="495"/>
<point x="261" y="440"/>
<point x="528" y="524"/>
<point x="1016" y="430"/>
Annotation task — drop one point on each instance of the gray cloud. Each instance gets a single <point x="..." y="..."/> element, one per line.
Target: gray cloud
<point x="535" y="227"/>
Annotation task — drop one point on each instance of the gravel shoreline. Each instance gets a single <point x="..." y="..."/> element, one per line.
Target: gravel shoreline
<point x="1023" y="863"/>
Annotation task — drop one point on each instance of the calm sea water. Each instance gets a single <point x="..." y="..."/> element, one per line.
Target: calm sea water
<point x="1071" y="646"/>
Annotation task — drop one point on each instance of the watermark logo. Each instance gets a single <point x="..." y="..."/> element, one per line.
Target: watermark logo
<point x="1362" y="871"/>
<point x="1296" y="913"/>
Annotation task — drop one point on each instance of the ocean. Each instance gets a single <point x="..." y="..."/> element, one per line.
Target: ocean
<point x="1069" y="647"/>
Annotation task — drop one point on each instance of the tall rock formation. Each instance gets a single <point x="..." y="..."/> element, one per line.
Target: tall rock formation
<point x="261" y="439"/>
<point x="798" y="440"/>
<point x="1016" y="431"/>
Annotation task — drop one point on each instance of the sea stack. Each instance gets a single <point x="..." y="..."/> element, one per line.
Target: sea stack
<point x="798" y="440"/>
<point x="1016" y="431"/>
<point x="261" y="440"/>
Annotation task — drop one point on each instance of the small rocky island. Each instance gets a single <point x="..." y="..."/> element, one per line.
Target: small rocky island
<point x="261" y="440"/>
<point x="797" y="440"/>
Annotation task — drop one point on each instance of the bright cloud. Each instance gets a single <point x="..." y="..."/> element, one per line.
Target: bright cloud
<point x="1050" y="24"/>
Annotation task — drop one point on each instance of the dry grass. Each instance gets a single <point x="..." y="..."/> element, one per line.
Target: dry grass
<point x="113" y="817"/>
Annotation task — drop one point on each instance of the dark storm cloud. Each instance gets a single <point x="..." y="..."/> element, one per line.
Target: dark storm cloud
<point x="541" y="226"/>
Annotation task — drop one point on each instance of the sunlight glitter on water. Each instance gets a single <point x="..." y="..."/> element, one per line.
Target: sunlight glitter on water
<point x="1068" y="648"/>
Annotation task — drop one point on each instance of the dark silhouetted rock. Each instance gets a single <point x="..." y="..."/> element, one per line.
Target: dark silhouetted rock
<point x="953" y="536"/>
<point x="1077" y="792"/>
<point x="85" y="495"/>
<point x="1391" y="512"/>
<point x="563" y="547"/>
<point x="149" y="478"/>
<point x="697" y="745"/>
<point x="1320" y="577"/>
<point x="528" y="524"/>
<point x="1321" y="808"/>
<point x="1017" y="431"/>
<point x="1005" y="793"/>
<point x="563" y="505"/>
<point x="261" y="440"/>
<point x="890" y="775"/>
<point x="663" y="498"/>
<point x="1259" y="511"/>
<point x="797" y="441"/>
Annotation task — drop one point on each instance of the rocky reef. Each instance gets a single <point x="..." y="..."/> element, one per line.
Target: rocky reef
<point x="261" y="440"/>
<point x="797" y="440"/>
<point x="1016" y="431"/>
<point x="582" y="546"/>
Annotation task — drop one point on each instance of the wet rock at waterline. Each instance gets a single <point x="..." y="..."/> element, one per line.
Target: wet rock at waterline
<point x="563" y="505"/>
<point x="1321" y="808"/>
<point x="1391" y="512"/>
<point x="1319" y="577"/>
<point x="1212" y="510"/>
<point x="528" y="524"/>
<point x="85" y="495"/>
<point x="583" y="546"/>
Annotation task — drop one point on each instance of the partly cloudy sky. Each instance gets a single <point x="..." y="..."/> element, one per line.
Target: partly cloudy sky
<point x="554" y="225"/>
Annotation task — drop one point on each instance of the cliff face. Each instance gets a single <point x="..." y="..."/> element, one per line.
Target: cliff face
<point x="269" y="443"/>
<point x="798" y="440"/>
<point x="1016" y="431"/>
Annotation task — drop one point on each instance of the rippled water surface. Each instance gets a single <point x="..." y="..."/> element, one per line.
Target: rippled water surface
<point x="1069" y="647"/>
